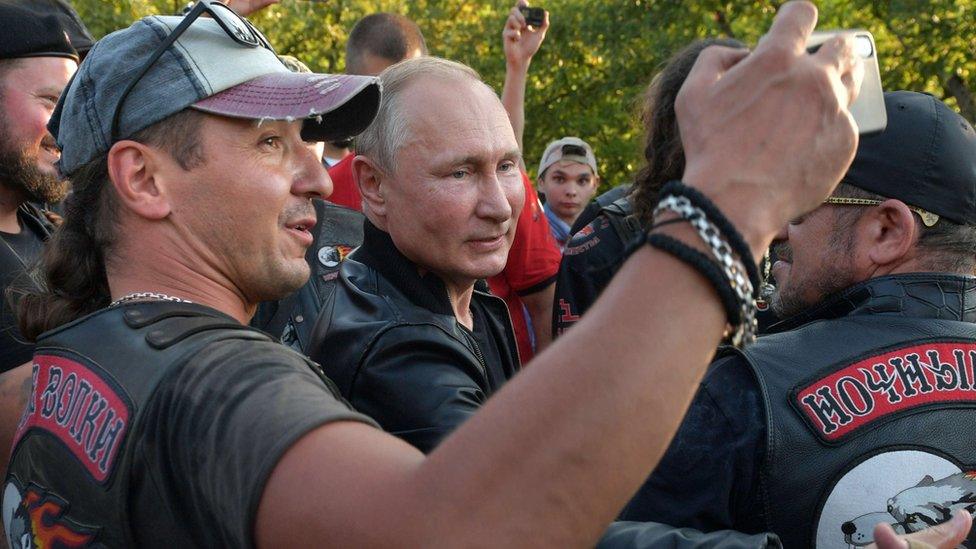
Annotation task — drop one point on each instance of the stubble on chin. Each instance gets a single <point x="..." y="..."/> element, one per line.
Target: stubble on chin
<point x="788" y="300"/>
<point x="785" y="304"/>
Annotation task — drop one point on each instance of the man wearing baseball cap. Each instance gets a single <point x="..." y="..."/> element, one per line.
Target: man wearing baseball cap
<point x="568" y="177"/>
<point x="158" y="419"/>
<point x="859" y="408"/>
<point x="183" y="139"/>
<point x="36" y="61"/>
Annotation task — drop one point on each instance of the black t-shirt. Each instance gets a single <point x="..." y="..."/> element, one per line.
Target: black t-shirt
<point x="202" y="417"/>
<point x="219" y="427"/>
<point x="18" y="252"/>
<point x="26" y="245"/>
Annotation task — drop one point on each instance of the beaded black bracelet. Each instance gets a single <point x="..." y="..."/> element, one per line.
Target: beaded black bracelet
<point x="705" y="266"/>
<point x="731" y="234"/>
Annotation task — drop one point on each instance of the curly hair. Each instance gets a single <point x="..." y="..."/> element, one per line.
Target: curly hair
<point x="664" y="156"/>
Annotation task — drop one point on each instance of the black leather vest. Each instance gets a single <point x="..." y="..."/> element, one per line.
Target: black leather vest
<point x="871" y="411"/>
<point x="71" y="466"/>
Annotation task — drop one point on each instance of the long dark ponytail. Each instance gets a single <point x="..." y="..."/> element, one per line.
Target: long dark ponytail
<point x="73" y="262"/>
<point x="73" y="275"/>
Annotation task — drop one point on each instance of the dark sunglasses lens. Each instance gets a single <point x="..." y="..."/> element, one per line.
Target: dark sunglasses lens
<point x="236" y="25"/>
<point x="263" y="40"/>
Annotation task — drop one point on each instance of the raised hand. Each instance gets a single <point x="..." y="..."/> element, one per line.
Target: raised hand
<point x="521" y="41"/>
<point x="247" y="7"/>
<point x="768" y="134"/>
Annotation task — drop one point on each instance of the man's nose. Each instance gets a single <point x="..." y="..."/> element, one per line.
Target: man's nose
<point x="782" y="234"/>
<point x="311" y="178"/>
<point x="493" y="203"/>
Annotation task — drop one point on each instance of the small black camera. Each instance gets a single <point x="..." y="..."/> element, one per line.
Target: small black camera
<point x="534" y="17"/>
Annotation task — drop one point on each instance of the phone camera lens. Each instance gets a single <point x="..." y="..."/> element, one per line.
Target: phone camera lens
<point x="863" y="47"/>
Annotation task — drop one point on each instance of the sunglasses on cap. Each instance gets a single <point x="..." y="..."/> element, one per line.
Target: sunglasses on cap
<point x="236" y="27"/>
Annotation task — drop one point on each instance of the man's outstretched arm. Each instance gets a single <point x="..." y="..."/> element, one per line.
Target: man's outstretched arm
<point x="553" y="456"/>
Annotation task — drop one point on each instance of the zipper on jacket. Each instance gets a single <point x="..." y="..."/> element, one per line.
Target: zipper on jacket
<point x="476" y="348"/>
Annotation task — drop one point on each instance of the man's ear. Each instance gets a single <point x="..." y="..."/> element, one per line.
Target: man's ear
<point x="892" y="232"/>
<point x="137" y="172"/>
<point x="370" y="179"/>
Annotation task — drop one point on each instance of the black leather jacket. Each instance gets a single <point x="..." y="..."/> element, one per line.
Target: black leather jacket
<point x="389" y="339"/>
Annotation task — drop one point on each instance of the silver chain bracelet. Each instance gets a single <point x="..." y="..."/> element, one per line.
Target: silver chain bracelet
<point x="734" y="269"/>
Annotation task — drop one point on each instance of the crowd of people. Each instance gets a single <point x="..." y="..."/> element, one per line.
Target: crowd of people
<point x="247" y="304"/>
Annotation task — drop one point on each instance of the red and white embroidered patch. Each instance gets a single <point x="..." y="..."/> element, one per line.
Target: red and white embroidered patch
<point x="80" y="408"/>
<point x="888" y="384"/>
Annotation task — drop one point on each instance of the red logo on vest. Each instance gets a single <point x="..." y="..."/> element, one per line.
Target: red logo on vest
<point x="79" y="408"/>
<point x="887" y="384"/>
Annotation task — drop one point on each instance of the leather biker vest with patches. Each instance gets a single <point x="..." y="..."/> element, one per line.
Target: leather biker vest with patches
<point x="871" y="411"/>
<point x="72" y="463"/>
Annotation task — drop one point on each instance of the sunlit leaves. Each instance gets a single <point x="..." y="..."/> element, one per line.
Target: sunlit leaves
<point x="599" y="56"/>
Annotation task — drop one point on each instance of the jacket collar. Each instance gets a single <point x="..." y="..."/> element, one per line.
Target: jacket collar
<point x="380" y="254"/>
<point x="31" y="217"/>
<point x="915" y="295"/>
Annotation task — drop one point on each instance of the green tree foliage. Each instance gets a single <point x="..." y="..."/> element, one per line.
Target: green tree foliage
<point x="598" y="58"/>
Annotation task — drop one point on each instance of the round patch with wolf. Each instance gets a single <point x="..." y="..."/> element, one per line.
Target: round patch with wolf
<point x="909" y="489"/>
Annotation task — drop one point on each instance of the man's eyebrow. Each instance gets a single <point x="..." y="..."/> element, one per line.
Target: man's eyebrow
<point x="49" y="90"/>
<point x="464" y="160"/>
<point x="475" y="160"/>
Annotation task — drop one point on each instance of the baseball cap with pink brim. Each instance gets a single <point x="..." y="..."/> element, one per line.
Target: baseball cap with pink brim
<point x="333" y="104"/>
<point x="136" y="77"/>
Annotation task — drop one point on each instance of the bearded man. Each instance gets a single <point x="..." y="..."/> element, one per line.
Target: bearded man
<point x="857" y="408"/>
<point x="36" y="61"/>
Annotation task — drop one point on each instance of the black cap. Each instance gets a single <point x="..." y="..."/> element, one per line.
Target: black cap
<point x="81" y="38"/>
<point x="926" y="157"/>
<point x="26" y="34"/>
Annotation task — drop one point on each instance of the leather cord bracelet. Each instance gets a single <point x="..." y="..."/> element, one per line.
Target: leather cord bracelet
<point x="737" y="276"/>
<point x="705" y="266"/>
<point x="731" y="234"/>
